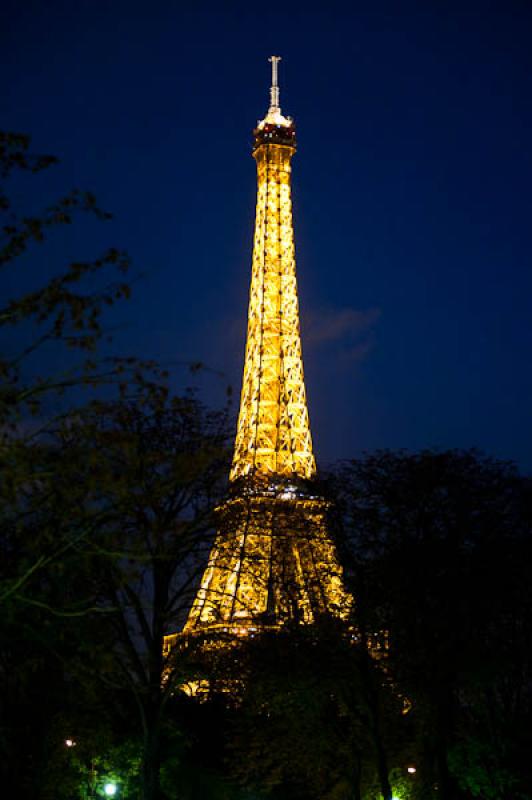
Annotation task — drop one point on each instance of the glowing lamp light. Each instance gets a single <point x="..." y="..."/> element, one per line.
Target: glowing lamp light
<point x="70" y="742"/>
<point x="110" y="789"/>
<point x="411" y="770"/>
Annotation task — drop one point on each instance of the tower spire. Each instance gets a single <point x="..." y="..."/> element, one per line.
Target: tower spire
<point x="274" y="89"/>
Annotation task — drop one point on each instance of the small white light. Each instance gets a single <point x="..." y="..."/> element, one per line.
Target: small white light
<point x="411" y="770"/>
<point x="110" y="789"/>
<point x="70" y="742"/>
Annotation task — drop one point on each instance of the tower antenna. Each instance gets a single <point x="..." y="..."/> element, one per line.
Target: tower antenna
<point x="274" y="89"/>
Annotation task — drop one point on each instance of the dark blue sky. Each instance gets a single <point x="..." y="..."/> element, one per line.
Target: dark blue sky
<point x="412" y="194"/>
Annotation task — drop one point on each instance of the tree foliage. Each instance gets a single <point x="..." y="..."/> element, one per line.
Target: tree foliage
<point x="102" y="504"/>
<point x="312" y="712"/>
<point x="66" y="310"/>
<point x="439" y="546"/>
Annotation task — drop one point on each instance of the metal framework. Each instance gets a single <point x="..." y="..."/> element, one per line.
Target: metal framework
<point x="273" y="561"/>
<point x="273" y="558"/>
<point x="273" y="434"/>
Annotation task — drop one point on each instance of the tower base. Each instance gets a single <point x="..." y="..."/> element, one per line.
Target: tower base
<point x="273" y="561"/>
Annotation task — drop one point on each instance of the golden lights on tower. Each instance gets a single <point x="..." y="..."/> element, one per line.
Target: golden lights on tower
<point x="273" y="559"/>
<point x="273" y="433"/>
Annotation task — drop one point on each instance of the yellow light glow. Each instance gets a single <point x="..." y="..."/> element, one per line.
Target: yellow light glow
<point x="273" y="433"/>
<point x="273" y="559"/>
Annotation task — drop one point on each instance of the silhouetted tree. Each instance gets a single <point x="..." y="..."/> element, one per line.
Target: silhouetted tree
<point x="101" y="505"/>
<point x="50" y="331"/>
<point x="39" y="327"/>
<point x="154" y="471"/>
<point x="305" y="722"/>
<point x="439" y="546"/>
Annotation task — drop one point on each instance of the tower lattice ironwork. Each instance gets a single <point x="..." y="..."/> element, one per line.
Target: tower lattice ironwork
<point x="273" y="559"/>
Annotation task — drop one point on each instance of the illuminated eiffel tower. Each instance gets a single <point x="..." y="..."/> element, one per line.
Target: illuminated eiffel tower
<point x="272" y="560"/>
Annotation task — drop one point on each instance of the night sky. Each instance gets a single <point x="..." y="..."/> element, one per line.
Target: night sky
<point x="412" y="195"/>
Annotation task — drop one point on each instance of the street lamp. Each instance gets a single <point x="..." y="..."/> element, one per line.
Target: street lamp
<point x="110" y="789"/>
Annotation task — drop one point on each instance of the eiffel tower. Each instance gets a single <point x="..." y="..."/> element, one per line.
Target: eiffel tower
<point x="273" y="560"/>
